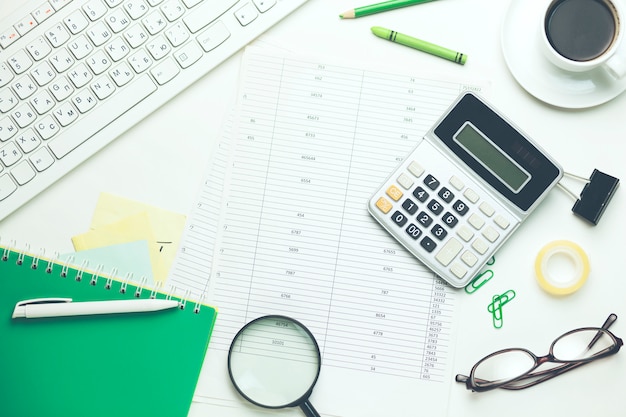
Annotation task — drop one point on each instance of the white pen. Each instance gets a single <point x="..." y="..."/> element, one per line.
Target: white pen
<point x="60" y="307"/>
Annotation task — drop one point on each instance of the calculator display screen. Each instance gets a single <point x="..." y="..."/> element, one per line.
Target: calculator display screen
<point x="499" y="154"/>
<point x="483" y="149"/>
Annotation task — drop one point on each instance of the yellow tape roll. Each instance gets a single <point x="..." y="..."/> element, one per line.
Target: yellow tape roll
<point x="561" y="285"/>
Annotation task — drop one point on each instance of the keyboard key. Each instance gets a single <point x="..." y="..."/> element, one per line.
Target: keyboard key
<point x="449" y="219"/>
<point x="246" y="14"/>
<point x="26" y="24"/>
<point x="421" y="194"/>
<point x="465" y="233"/>
<point x="47" y="127"/>
<point x="213" y="37"/>
<point x="394" y="192"/>
<point x="435" y="206"/>
<point x="469" y="258"/>
<point x="27" y="140"/>
<point x="188" y="55"/>
<point x="490" y="234"/>
<point x="476" y="221"/>
<point x="501" y="221"/>
<point x="43" y="12"/>
<point x="416" y="169"/>
<point x="23" y="173"/>
<point x="480" y="246"/>
<point x="428" y="244"/>
<point x="446" y="195"/>
<point x="458" y="270"/>
<point x="439" y="232"/>
<point x="76" y="22"/>
<point x="424" y="219"/>
<point x="165" y="71"/>
<point x="405" y="181"/>
<point x="41" y="159"/>
<point x="207" y="13"/>
<point x="431" y="182"/>
<point x="264" y="5"/>
<point x="399" y="218"/>
<point x="384" y="205"/>
<point x="7" y="186"/>
<point x="409" y="206"/>
<point x="413" y="231"/>
<point x="86" y="127"/>
<point x="6" y="74"/>
<point x="9" y="154"/>
<point x="471" y="195"/>
<point x="449" y="251"/>
<point x="460" y="207"/>
<point x="20" y="62"/>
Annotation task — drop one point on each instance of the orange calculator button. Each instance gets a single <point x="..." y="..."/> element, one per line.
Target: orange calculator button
<point x="384" y="205"/>
<point x="394" y="192"/>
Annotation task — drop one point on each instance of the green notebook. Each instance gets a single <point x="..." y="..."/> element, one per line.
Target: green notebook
<point x="113" y="365"/>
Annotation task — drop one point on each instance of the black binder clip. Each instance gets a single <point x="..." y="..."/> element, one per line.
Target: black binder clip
<point x="595" y="196"/>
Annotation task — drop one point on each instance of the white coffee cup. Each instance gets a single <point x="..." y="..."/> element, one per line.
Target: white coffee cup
<point x="581" y="35"/>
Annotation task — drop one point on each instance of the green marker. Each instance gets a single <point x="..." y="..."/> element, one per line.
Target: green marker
<point x="420" y="45"/>
<point x="379" y="7"/>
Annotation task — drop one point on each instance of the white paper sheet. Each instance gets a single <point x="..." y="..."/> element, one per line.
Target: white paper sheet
<point x="311" y="140"/>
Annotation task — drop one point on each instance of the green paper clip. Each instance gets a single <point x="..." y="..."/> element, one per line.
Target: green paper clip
<point x="495" y="308"/>
<point x="480" y="280"/>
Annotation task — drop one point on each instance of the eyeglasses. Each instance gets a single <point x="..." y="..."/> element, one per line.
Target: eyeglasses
<point x="514" y="368"/>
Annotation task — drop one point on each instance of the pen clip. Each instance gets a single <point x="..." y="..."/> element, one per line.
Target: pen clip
<point x="43" y="301"/>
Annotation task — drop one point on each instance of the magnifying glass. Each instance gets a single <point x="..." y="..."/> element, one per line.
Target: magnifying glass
<point x="274" y="362"/>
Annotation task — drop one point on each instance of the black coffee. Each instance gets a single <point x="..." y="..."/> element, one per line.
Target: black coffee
<point x="580" y="30"/>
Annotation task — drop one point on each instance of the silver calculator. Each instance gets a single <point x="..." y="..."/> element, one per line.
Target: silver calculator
<point x="464" y="189"/>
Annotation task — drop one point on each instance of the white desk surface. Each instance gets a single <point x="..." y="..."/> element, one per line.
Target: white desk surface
<point x="163" y="158"/>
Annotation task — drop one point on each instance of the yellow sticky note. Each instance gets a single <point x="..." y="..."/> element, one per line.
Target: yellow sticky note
<point x="129" y="229"/>
<point x="118" y="220"/>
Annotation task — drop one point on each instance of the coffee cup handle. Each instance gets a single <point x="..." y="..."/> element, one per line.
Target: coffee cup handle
<point x="616" y="65"/>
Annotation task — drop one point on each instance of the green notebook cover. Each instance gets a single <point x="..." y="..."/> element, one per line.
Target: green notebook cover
<point x="114" y="365"/>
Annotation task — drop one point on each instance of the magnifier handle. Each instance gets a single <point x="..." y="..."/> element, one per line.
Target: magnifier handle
<point x="308" y="409"/>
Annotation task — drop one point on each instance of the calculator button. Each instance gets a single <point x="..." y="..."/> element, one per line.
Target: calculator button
<point x="465" y="233"/>
<point x="480" y="246"/>
<point x="439" y="232"/>
<point x="409" y="206"/>
<point x="460" y="207"/>
<point x="476" y="221"/>
<point x="413" y="231"/>
<point x="416" y="169"/>
<point x="435" y="207"/>
<point x="420" y="194"/>
<point x="457" y="183"/>
<point x="469" y="258"/>
<point x="431" y="182"/>
<point x="384" y="205"/>
<point x="424" y="219"/>
<point x="486" y="209"/>
<point x="399" y="218"/>
<point x="428" y="244"/>
<point x="449" y="251"/>
<point x="458" y="270"/>
<point x="501" y="221"/>
<point x="446" y="195"/>
<point x="405" y="181"/>
<point x="491" y="234"/>
<point x="394" y="192"/>
<point x="471" y="195"/>
<point x="449" y="219"/>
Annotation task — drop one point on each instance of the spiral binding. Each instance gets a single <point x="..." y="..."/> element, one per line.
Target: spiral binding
<point x="67" y="266"/>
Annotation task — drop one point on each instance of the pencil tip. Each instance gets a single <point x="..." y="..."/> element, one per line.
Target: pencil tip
<point x="347" y="15"/>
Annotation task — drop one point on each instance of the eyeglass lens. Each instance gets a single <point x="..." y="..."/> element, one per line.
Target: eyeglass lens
<point x="582" y="344"/>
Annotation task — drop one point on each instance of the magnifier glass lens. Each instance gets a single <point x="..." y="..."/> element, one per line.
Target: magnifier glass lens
<point x="274" y="361"/>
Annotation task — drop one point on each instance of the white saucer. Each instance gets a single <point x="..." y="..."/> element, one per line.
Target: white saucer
<point x="533" y="71"/>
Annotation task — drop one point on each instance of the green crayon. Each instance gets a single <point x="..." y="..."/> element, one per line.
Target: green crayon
<point x="420" y="45"/>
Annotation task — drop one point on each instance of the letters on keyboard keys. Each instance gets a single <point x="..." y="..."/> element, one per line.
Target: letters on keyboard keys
<point x="69" y="69"/>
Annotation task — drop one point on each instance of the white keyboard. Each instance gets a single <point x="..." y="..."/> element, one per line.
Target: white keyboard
<point x="75" y="74"/>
